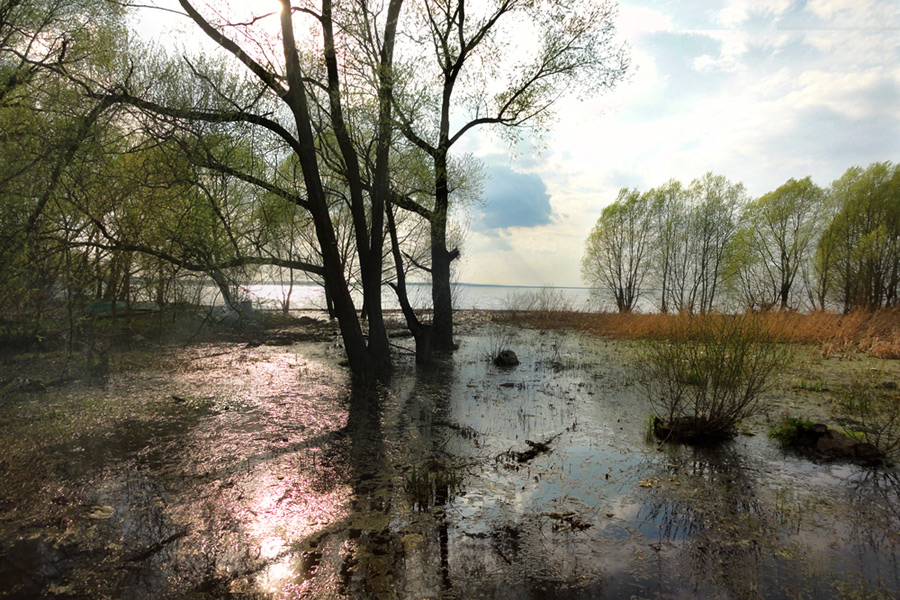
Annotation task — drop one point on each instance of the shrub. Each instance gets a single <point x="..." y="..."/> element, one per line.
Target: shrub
<point x="705" y="374"/>
<point x="871" y="411"/>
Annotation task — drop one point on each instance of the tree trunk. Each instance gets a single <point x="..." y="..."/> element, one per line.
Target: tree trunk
<point x="286" y="305"/>
<point x="362" y="365"/>
<point x="441" y="293"/>
<point x="422" y="333"/>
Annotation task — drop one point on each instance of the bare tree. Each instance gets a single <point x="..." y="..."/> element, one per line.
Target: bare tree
<point x="472" y="70"/>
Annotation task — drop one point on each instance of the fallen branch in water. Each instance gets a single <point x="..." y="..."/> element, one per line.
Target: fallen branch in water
<point x="534" y="449"/>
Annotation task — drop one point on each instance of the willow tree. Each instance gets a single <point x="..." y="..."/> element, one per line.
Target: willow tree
<point x="617" y="254"/>
<point x="667" y="213"/>
<point x="778" y="232"/>
<point x="283" y="92"/>
<point x="862" y="242"/>
<point x="48" y="127"/>
<point x="496" y="63"/>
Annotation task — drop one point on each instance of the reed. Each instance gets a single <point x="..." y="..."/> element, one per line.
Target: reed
<point x="875" y="334"/>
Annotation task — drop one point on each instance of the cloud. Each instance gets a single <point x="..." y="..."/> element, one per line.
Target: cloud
<point x="857" y="14"/>
<point x="758" y="91"/>
<point x="513" y="199"/>
<point x="845" y="139"/>
<point x="752" y="13"/>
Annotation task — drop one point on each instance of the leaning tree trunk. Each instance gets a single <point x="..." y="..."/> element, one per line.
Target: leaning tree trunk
<point x="422" y="333"/>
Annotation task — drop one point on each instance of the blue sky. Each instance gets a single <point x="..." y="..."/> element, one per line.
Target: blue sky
<point x="759" y="91"/>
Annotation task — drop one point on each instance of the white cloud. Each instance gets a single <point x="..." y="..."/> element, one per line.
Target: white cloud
<point x="857" y="14"/>
<point x="737" y="12"/>
<point x="634" y="21"/>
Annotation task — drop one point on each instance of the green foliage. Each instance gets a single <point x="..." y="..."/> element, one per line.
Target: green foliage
<point x="778" y="232"/>
<point x="798" y="246"/>
<point x="817" y="385"/>
<point x="704" y="375"/>
<point x="789" y="429"/>
<point x="860" y="248"/>
<point x="678" y="236"/>
<point x="616" y="257"/>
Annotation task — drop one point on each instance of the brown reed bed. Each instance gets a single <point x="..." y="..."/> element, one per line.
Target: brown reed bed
<point x="873" y="333"/>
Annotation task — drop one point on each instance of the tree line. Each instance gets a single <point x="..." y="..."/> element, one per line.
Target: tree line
<point x="317" y="138"/>
<point x="707" y="246"/>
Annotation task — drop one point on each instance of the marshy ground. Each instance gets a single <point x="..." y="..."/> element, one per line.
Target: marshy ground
<point x="245" y="466"/>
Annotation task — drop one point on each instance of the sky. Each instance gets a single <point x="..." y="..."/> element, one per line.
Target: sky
<point x="760" y="91"/>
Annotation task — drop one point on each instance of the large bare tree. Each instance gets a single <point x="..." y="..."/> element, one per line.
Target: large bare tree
<point x="501" y="63"/>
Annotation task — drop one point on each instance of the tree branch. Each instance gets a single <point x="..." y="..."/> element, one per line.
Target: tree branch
<point x="201" y="115"/>
<point x="266" y="76"/>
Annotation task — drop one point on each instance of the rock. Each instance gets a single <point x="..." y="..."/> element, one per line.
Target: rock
<point x="867" y="451"/>
<point x="808" y="437"/>
<point x="819" y="429"/>
<point x="506" y="358"/>
<point x="835" y="443"/>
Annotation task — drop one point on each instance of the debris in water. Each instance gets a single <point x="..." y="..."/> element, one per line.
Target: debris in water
<point x="101" y="512"/>
<point x="535" y="448"/>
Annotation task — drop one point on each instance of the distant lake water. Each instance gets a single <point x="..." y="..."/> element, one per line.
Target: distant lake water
<point x="310" y="296"/>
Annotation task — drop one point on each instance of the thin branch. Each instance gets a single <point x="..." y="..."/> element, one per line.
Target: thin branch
<point x="266" y="76"/>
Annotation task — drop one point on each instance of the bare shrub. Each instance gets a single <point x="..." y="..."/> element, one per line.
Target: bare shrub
<point x="871" y="410"/>
<point x="705" y="374"/>
<point x="498" y="340"/>
<point x="545" y="307"/>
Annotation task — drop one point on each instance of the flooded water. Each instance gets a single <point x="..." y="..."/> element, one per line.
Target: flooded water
<point x="224" y="470"/>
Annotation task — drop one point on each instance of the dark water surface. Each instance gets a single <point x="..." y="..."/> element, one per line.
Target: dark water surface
<point x="224" y="470"/>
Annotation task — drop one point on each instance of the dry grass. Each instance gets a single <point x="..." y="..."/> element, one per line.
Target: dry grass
<point x="876" y="334"/>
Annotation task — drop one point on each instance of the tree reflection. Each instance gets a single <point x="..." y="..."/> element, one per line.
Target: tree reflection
<point x="702" y="515"/>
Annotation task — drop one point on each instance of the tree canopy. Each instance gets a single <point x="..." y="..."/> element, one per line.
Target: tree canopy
<point x="311" y="139"/>
<point x="706" y="246"/>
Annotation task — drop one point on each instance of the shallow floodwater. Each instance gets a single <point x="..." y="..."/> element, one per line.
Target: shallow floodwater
<point x="226" y="470"/>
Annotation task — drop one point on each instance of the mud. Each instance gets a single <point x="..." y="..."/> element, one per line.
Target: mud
<point x="253" y="470"/>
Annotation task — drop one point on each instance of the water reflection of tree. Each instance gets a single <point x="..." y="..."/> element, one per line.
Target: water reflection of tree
<point x="713" y="532"/>
<point x="383" y="545"/>
<point x="874" y="528"/>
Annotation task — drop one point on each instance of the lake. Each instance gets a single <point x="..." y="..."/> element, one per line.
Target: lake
<point x="466" y="296"/>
